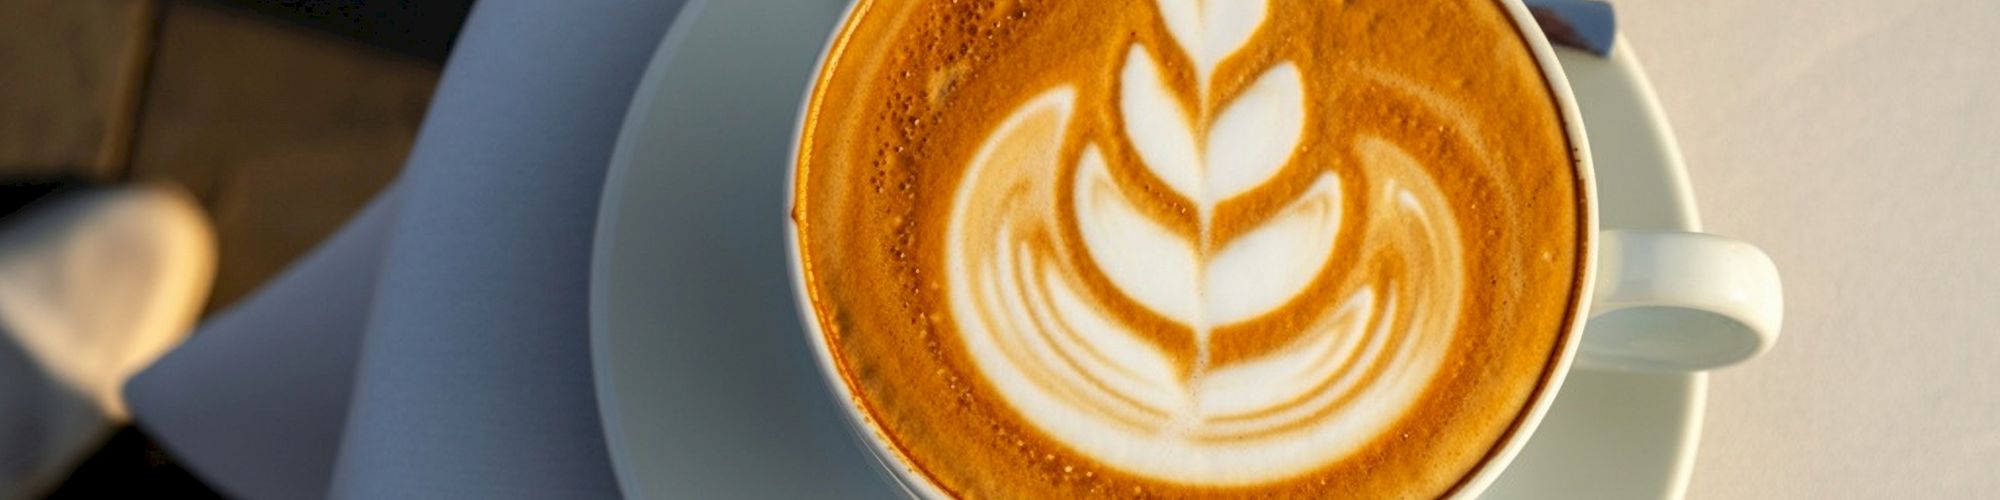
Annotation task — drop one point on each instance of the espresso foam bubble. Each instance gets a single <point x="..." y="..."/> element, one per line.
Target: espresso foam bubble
<point x="1203" y="252"/>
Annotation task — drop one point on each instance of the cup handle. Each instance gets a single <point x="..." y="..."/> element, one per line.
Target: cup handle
<point x="1678" y="301"/>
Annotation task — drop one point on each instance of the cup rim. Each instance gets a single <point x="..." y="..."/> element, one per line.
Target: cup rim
<point x="1501" y="455"/>
<point x="899" y="466"/>
<point x="894" y="464"/>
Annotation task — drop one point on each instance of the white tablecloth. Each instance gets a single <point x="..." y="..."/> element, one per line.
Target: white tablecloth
<point x="1857" y="142"/>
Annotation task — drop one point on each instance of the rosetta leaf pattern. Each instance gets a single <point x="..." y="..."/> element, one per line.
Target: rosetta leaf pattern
<point x="1207" y="159"/>
<point x="1131" y="248"/>
<point x="1208" y="31"/>
<point x="1175" y="401"/>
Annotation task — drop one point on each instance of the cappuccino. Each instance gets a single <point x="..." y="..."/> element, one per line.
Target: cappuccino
<point x="1185" y="248"/>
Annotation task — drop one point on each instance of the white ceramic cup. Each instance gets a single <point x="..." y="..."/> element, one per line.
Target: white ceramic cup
<point x="1657" y="300"/>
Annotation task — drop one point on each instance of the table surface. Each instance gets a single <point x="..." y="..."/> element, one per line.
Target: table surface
<point x="1855" y="141"/>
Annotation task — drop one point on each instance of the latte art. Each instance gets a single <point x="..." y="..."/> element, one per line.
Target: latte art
<point x="1060" y="355"/>
<point x="1187" y="248"/>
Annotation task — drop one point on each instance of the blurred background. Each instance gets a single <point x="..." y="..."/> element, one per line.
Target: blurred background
<point x="282" y="117"/>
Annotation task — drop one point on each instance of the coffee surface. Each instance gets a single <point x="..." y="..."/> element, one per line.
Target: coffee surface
<point x="1183" y="248"/>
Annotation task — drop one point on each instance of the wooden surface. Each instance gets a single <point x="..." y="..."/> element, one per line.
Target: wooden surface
<point x="281" y="132"/>
<point x="70" y="74"/>
<point x="281" y="118"/>
<point x="280" y="127"/>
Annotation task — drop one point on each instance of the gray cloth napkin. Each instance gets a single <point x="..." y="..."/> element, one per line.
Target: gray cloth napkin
<point x="438" y="346"/>
<point x="1587" y="25"/>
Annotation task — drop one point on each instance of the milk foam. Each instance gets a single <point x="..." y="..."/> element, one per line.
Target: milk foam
<point x="1209" y="30"/>
<point x="1061" y="356"/>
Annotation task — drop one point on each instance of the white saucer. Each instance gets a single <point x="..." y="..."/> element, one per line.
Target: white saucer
<point x="704" y="380"/>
